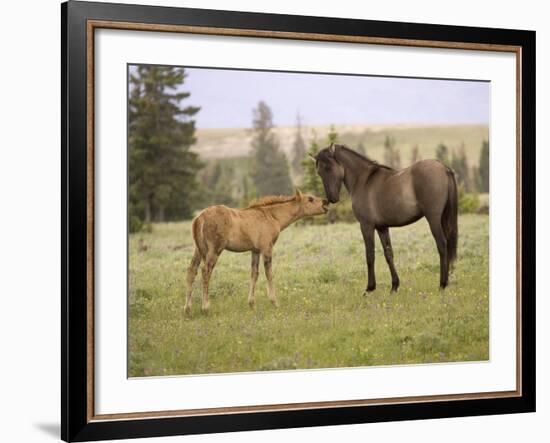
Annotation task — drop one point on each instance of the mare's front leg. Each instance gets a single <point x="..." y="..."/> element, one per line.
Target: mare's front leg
<point x="384" y="234"/>
<point x="269" y="275"/>
<point x="253" y="277"/>
<point x="367" y="230"/>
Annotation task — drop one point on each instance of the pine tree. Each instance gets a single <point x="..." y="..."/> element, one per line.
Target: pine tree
<point x="332" y="136"/>
<point x="392" y="157"/>
<point x="484" y="167"/>
<point x="442" y="154"/>
<point x="270" y="170"/>
<point x="415" y="155"/>
<point x="362" y="149"/>
<point x="162" y="170"/>
<point x="459" y="163"/>
<point x="298" y="149"/>
<point x="312" y="182"/>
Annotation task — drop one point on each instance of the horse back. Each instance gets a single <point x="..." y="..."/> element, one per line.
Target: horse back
<point x="430" y="181"/>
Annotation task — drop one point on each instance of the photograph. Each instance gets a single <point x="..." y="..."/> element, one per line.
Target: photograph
<point x="282" y="220"/>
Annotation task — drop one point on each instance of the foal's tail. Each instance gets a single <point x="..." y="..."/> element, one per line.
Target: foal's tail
<point x="198" y="236"/>
<point x="449" y="219"/>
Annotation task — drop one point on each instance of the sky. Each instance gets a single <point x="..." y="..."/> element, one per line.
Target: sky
<point x="227" y="97"/>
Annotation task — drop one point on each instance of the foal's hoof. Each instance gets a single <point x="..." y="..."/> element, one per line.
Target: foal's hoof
<point x="251" y="304"/>
<point x="205" y="308"/>
<point x="187" y="310"/>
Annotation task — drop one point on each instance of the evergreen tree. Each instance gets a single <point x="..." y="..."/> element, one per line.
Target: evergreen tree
<point x="298" y="149"/>
<point x="312" y="182"/>
<point x="248" y="191"/>
<point x="442" y="154"/>
<point x="415" y="155"/>
<point x="162" y="169"/>
<point x="484" y="167"/>
<point x="270" y="170"/>
<point x="459" y="163"/>
<point x="392" y="157"/>
<point x="362" y="149"/>
<point x="332" y="136"/>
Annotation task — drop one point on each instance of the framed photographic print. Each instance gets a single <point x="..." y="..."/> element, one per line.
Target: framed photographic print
<point x="275" y="221"/>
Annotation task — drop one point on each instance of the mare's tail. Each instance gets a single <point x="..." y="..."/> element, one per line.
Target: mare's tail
<point x="449" y="219"/>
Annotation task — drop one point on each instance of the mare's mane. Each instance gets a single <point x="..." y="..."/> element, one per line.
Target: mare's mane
<point x="325" y="152"/>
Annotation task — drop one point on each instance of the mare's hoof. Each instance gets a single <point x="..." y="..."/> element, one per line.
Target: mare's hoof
<point x="369" y="289"/>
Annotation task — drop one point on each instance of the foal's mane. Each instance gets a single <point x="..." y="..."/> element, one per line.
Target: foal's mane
<point x="270" y="200"/>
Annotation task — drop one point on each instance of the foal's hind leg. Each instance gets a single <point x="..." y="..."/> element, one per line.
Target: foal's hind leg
<point x="253" y="277"/>
<point x="384" y="234"/>
<point x="191" y="274"/>
<point x="441" y="241"/>
<point x="207" y="268"/>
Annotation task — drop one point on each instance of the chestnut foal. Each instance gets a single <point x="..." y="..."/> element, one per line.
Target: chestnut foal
<point x="255" y="228"/>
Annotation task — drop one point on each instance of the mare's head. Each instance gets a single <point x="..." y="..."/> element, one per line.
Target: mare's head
<point x="330" y="171"/>
<point x="311" y="205"/>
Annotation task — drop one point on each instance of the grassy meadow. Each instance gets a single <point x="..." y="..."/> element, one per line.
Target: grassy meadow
<point x="323" y="319"/>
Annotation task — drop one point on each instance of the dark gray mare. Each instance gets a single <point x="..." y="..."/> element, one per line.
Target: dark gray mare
<point x="383" y="197"/>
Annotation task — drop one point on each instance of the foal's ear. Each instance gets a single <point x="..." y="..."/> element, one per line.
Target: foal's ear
<point x="312" y="157"/>
<point x="298" y="193"/>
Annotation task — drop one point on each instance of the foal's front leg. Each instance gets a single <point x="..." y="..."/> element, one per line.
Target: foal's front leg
<point x="207" y="268"/>
<point x="368" y="236"/>
<point x="253" y="277"/>
<point x="269" y="275"/>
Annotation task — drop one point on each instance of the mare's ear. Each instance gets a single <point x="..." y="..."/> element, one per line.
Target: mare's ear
<point x="298" y="193"/>
<point x="312" y="157"/>
<point x="332" y="148"/>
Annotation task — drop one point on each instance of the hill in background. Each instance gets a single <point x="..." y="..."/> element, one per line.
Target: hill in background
<point x="235" y="142"/>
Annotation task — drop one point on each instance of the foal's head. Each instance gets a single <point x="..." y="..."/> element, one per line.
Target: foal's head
<point x="330" y="171"/>
<point x="311" y="205"/>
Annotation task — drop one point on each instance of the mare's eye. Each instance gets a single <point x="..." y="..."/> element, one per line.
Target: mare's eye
<point x="311" y="199"/>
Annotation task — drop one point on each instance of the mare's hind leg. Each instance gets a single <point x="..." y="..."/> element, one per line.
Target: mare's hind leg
<point x="207" y="268"/>
<point x="384" y="234"/>
<point x="441" y="242"/>
<point x="253" y="277"/>
<point x="269" y="275"/>
<point x="191" y="274"/>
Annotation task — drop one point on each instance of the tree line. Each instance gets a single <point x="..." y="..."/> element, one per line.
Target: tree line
<point x="167" y="181"/>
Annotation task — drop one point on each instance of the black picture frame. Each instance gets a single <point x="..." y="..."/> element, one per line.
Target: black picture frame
<point x="76" y="424"/>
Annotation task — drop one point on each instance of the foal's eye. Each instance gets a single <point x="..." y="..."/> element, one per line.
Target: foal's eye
<point x="311" y="199"/>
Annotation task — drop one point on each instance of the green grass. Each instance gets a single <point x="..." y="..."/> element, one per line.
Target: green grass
<point x="323" y="319"/>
